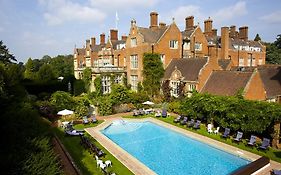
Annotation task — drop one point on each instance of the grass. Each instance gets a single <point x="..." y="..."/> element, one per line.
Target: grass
<point x="273" y="154"/>
<point x="83" y="159"/>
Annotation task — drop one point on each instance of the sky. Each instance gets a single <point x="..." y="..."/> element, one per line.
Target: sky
<point x="34" y="28"/>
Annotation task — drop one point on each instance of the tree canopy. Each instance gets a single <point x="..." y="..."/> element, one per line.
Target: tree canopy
<point x="273" y="51"/>
<point x="153" y="71"/>
<point x="5" y="56"/>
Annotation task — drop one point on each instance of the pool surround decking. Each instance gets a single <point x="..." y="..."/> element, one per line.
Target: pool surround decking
<point x="139" y="168"/>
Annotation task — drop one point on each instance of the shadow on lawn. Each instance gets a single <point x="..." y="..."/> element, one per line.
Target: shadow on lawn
<point x="277" y="153"/>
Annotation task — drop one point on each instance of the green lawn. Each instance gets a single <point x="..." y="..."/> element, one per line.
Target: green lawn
<point x="83" y="159"/>
<point x="271" y="153"/>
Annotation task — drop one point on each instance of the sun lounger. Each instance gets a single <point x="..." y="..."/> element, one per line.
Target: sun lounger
<point x="190" y="123"/>
<point x="265" y="144"/>
<point x="93" y="119"/>
<point x="252" y="141"/>
<point x="226" y="133"/>
<point x="275" y="172"/>
<point x="176" y="120"/>
<point x="85" y="120"/>
<point x="184" y="121"/>
<point x="238" y="137"/>
<point x="164" y="113"/>
<point x="73" y="132"/>
<point x="158" y="114"/>
<point x="197" y="124"/>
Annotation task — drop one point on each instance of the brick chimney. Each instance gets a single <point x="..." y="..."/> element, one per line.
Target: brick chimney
<point x="214" y="32"/>
<point x="162" y="25"/>
<point x="102" y="38"/>
<point x="189" y="22"/>
<point x="124" y="37"/>
<point x="232" y="33"/>
<point x="153" y="20"/>
<point x="113" y="34"/>
<point x="208" y="25"/>
<point x="224" y="42"/>
<point x="243" y="33"/>
<point x="93" y="41"/>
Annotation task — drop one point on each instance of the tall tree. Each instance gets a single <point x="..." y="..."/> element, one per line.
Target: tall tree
<point x="153" y="71"/>
<point x="45" y="73"/>
<point x="29" y="72"/>
<point x="87" y="78"/>
<point x="5" y="56"/>
<point x="273" y="51"/>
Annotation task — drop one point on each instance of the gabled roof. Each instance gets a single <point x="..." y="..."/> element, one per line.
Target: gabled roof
<point x="186" y="34"/>
<point x="224" y="63"/>
<point x="116" y="42"/>
<point x="80" y="51"/>
<point x="189" y="68"/>
<point x="96" y="48"/>
<point x="226" y="82"/>
<point x="152" y="35"/>
<point x="271" y="78"/>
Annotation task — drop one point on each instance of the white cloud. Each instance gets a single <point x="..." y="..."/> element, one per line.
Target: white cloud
<point x="227" y="13"/>
<point x="122" y="4"/>
<point x="273" y="18"/>
<point x="60" y="11"/>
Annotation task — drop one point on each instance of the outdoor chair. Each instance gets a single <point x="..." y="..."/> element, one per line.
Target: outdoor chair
<point x="197" y="124"/>
<point x="238" y="137"/>
<point x="158" y="114"/>
<point x="164" y="113"/>
<point x="93" y="119"/>
<point x="210" y="128"/>
<point x="217" y="130"/>
<point x="184" y="121"/>
<point x="177" y="120"/>
<point x="135" y="112"/>
<point x="190" y="123"/>
<point x="226" y="133"/>
<point x="265" y="144"/>
<point x="141" y="112"/>
<point x="252" y="141"/>
<point x="85" y="120"/>
<point x="73" y="133"/>
<point x="275" y="172"/>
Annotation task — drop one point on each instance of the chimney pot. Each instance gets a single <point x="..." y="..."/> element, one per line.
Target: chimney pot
<point x="243" y="33"/>
<point x="208" y="25"/>
<point x="114" y="34"/>
<point x="153" y="20"/>
<point x="189" y="22"/>
<point x="93" y="41"/>
<point x="102" y="38"/>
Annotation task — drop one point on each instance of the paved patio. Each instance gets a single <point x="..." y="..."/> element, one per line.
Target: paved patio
<point x="139" y="168"/>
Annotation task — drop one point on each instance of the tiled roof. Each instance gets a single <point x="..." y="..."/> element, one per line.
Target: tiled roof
<point x="186" y="34"/>
<point x="271" y="78"/>
<point x="80" y="51"/>
<point x="116" y="42"/>
<point x="152" y="36"/>
<point x="224" y="63"/>
<point x="226" y="82"/>
<point x="96" y="48"/>
<point x="189" y="68"/>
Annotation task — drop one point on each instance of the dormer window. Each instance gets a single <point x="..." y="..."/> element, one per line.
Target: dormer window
<point x="173" y="44"/>
<point x="133" y="42"/>
<point x="198" y="46"/>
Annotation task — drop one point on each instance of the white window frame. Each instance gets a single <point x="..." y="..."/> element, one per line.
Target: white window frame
<point x="186" y="46"/>
<point x="241" y="62"/>
<point x="249" y="62"/>
<point x="134" y="61"/>
<point x="106" y="84"/>
<point x="175" y="88"/>
<point x="260" y="61"/>
<point x="133" y="42"/>
<point x="253" y="61"/>
<point x="173" y="44"/>
<point x="198" y="46"/>
<point x="118" y="79"/>
<point x="191" y="87"/>
<point x="88" y="53"/>
<point x="75" y="55"/>
<point x="134" y="82"/>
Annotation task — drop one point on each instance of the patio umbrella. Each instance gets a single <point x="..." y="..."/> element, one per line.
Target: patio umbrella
<point x="65" y="112"/>
<point x="148" y="103"/>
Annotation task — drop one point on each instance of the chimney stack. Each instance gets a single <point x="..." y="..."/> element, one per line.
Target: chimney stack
<point x="214" y="32"/>
<point x="208" y="25"/>
<point x="124" y="37"/>
<point x="189" y="22"/>
<point x="102" y="38"/>
<point x="162" y="25"/>
<point x="224" y="42"/>
<point x="113" y="34"/>
<point x="153" y="20"/>
<point x="243" y="33"/>
<point x="232" y="33"/>
<point x="93" y="41"/>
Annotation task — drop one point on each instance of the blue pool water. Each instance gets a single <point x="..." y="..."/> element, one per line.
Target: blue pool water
<point x="169" y="153"/>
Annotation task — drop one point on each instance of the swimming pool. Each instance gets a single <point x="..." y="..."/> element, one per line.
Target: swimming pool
<point x="167" y="152"/>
